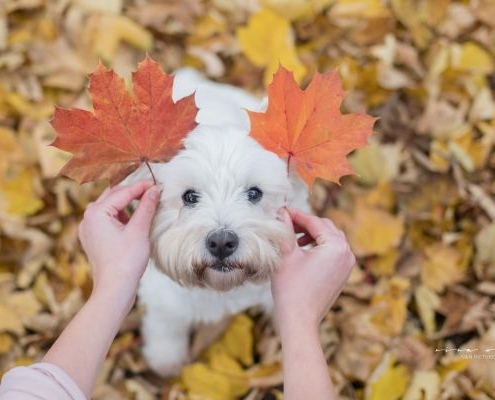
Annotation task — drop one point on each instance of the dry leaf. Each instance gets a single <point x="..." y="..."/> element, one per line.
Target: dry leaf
<point x="123" y="132"/>
<point x="267" y="41"/>
<point x="307" y="128"/>
<point x="388" y="381"/>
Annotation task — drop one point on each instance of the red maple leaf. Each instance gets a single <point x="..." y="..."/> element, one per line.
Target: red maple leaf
<point x="307" y="128"/>
<point x="125" y="130"/>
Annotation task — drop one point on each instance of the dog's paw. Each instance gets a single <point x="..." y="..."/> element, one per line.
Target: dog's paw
<point x="166" y="358"/>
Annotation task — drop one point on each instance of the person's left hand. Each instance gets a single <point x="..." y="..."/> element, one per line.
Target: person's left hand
<point x="118" y="248"/>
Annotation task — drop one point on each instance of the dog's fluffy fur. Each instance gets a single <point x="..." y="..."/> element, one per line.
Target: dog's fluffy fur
<point x="220" y="162"/>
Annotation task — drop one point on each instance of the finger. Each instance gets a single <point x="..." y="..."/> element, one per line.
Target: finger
<point x="145" y="211"/>
<point x="298" y="228"/>
<point x="315" y="226"/>
<point x="284" y="217"/>
<point x="117" y="200"/>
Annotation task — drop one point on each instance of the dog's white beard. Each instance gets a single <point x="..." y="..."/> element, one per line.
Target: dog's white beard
<point x="178" y="249"/>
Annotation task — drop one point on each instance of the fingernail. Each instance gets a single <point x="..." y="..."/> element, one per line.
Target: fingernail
<point x="159" y="187"/>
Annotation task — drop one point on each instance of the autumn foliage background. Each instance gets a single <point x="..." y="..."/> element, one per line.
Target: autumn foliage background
<point x="420" y="215"/>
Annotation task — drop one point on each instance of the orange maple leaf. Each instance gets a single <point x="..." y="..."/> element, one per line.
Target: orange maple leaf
<point x="125" y="130"/>
<point x="307" y="128"/>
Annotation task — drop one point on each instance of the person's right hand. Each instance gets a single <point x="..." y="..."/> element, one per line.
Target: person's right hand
<point x="309" y="281"/>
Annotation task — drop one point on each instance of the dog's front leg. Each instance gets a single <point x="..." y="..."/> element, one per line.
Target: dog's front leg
<point x="166" y="339"/>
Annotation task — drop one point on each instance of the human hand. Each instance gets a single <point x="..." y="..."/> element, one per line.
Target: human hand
<point x="118" y="247"/>
<point x="309" y="281"/>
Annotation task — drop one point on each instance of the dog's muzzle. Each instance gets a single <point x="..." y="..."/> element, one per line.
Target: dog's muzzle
<point x="222" y="243"/>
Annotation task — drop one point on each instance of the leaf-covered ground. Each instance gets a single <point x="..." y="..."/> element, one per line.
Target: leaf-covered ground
<point x="420" y="216"/>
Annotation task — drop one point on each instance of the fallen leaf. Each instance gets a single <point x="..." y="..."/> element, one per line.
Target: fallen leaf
<point x="19" y="193"/>
<point x="376" y="162"/>
<point x="388" y="381"/>
<point x="441" y="266"/>
<point x="307" y="128"/>
<point x="389" y="306"/>
<point x="425" y="385"/>
<point x="370" y="230"/>
<point x="238" y="339"/>
<point x="427" y="302"/>
<point x="268" y="41"/>
<point x="296" y="9"/>
<point x="123" y="132"/>
<point x="111" y="30"/>
<point x="10" y="321"/>
<point x="200" y="380"/>
<point x="471" y="57"/>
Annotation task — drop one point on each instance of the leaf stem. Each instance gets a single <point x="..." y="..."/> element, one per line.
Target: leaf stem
<point x="151" y="171"/>
<point x="288" y="169"/>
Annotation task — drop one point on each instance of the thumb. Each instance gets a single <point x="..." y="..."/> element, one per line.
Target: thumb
<point x="145" y="211"/>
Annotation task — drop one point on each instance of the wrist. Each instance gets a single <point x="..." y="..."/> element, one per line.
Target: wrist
<point x="291" y="322"/>
<point x="117" y="299"/>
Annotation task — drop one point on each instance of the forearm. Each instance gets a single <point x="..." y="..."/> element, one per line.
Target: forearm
<point x="305" y="369"/>
<point x="81" y="348"/>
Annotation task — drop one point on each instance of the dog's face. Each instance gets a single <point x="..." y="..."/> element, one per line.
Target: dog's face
<point x="216" y="225"/>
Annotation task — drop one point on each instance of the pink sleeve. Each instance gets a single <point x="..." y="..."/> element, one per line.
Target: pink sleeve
<point x="39" y="381"/>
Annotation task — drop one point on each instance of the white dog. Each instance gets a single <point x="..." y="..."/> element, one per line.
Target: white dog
<point x="215" y="237"/>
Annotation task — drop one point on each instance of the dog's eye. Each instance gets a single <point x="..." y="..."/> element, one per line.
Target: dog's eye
<point x="190" y="197"/>
<point x="254" y="194"/>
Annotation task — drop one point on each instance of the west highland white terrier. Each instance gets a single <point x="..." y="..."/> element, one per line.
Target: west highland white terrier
<point x="215" y="237"/>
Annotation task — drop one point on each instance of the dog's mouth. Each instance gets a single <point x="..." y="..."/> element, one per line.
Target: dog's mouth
<point x="222" y="267"/>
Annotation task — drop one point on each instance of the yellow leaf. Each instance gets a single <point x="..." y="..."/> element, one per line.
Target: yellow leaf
<point x="452" y="364"/>
<point x="470" y="57"/>
<point x="389" y="306"/>
<point x="24" y="304"/>
<point x="107" y="6"/>
<point x="381" y="196"/>
<point x="384" y="265"/>
<point x="376" y="162"/>
<point x="19" y="193"/>
<point x="114" y="29"/>
<point x="24" y="107"/>
<point x="201" y="380"/>
<point x="427" y="302"/>
<point x="388" y="381"/>
<point x="374" y="231"/>
<point x="439" y="155"/>
<point x="296" y="9"/>
<point x="5" y="343"/>
<point x="268" y="41"/>
<point x="442" y="266"/>
<point x="10" y="321"/>
<point x="470" y="153"/>
<point x="121" y="343"/>
<point x="425" y="385"/>
<point x="238" y="339"/>
<point x="222" y="362"/>
<point x="360" y="9"/>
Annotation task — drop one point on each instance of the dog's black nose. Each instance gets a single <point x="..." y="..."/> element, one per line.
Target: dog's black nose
<point x="222" y="243"/>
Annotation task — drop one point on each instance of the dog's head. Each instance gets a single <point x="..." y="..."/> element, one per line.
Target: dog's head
<point x="216" y="225"/>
